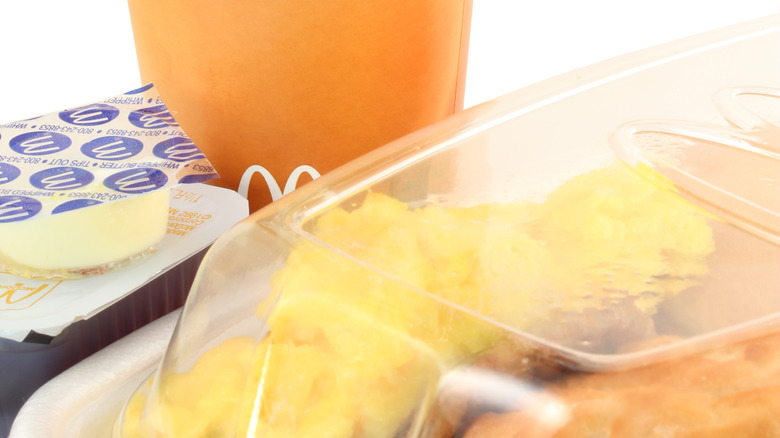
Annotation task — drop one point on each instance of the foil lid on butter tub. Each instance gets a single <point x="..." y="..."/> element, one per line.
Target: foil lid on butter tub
<point x="105" y="151"/>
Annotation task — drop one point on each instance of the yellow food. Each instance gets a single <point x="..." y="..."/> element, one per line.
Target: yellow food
<point x="356" y="344"/>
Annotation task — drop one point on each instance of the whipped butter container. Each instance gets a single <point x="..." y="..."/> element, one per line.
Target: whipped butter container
<point x="571" y="259"/>
<point x="85" y="190"/>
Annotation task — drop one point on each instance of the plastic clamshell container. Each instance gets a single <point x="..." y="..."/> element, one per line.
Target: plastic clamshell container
<point x="500" y="270"/>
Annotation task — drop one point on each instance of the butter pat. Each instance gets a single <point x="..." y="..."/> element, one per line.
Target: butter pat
<point x="89" y="240"/>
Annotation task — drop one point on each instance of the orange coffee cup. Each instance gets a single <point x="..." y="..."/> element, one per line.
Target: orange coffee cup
<point x="280" y="91"/>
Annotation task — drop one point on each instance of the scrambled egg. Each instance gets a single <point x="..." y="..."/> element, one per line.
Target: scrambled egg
<point x="356" y="344"/>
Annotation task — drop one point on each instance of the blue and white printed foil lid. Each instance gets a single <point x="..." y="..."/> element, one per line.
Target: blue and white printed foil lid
<point x="105" y="151"/>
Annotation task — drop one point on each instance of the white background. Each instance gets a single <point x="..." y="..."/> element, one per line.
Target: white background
<point x="56" y="54"/>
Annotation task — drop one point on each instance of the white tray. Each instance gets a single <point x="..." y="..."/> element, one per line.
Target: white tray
<point x="77" y="403"/>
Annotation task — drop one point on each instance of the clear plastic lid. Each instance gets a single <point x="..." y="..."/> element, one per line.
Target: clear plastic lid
<point x="553" y="261"/>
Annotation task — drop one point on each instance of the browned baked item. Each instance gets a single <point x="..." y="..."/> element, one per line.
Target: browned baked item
<point x="515" y="365"/>
<point x="732" y="391"/>
<point x="492" y="383"/>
